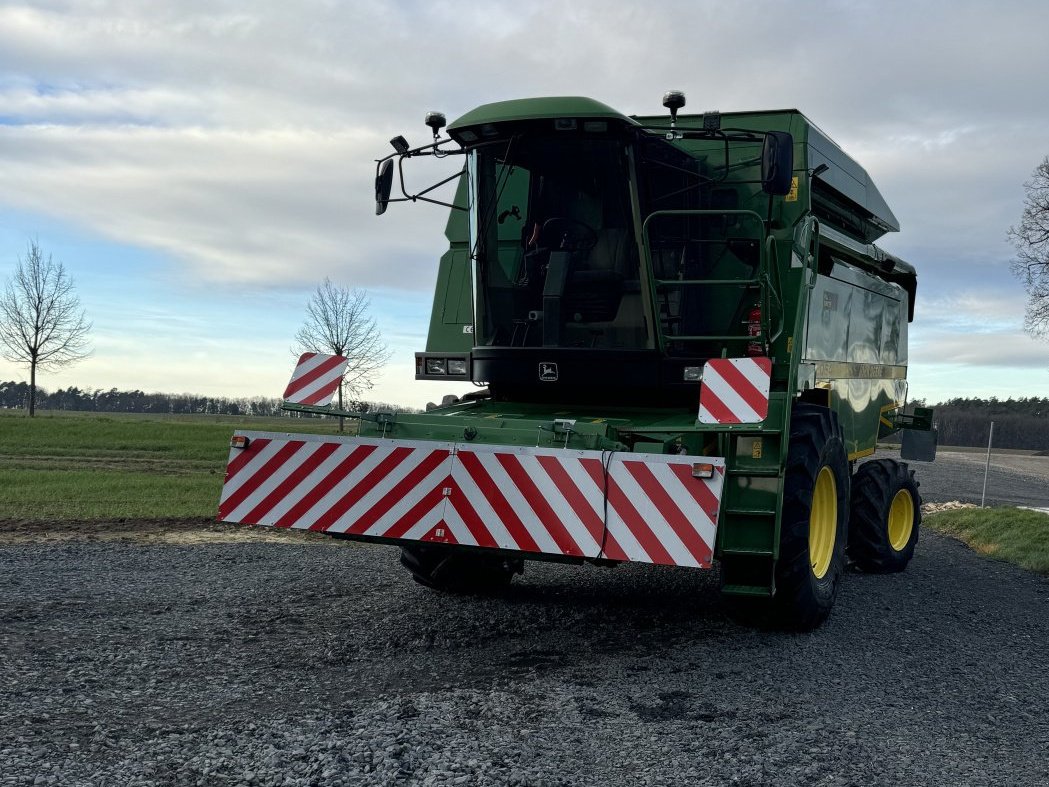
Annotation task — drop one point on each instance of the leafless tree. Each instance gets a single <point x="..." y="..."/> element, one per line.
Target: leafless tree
<point x="41" y="322"/>
<point x="1031" y="239"/>
<point x="338" y="322"/>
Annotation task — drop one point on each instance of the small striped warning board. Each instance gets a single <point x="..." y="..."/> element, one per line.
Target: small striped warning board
<point x="735" y="391"/>
<point x="316" y="379"/>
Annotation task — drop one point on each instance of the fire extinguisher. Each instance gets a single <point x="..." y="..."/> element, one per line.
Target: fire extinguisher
<point x="754" y="329"/>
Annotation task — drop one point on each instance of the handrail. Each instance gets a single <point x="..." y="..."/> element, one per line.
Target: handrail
<point x="693" y="282"/>
<point x="734" y="212"/>
<point x="770" y="289"/>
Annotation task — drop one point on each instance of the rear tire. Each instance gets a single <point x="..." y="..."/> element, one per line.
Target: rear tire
<point x="886" y="513"/>
<point x="813" y="527"/>
<point x="456" y="571"/>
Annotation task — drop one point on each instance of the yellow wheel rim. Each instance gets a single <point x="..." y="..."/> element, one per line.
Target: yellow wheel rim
<point x="901" y="519"/>
<point x="823" y="522"/>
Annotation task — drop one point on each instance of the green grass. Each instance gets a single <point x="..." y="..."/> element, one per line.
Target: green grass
<point x="93" y="467"/>
<point x="1013" y="534"/>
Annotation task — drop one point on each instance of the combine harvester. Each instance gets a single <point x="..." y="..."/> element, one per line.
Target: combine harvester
<point x="685" y="339"/>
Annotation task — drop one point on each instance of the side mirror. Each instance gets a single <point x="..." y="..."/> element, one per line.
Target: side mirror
<point x="777" y="163"/>
<point x="383" y="186"/>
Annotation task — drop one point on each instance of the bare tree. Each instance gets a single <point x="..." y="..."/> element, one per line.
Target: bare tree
<point x="1031" y="239"/>
<point x="337" y="322"/>
<point x="41" y="322"/>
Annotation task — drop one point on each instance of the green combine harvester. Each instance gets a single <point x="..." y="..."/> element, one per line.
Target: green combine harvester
<point x="682" y="338"/>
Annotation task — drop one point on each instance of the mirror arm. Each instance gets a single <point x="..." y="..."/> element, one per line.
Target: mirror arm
<point x="420" y="196"/>
<point x="400" y="177"/>
<point x="438" y="202"/>
<point x="437" y="185"/>
<point x="430" y="149"/>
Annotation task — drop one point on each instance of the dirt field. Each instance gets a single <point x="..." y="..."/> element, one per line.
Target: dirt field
<point x="174" y="532"/>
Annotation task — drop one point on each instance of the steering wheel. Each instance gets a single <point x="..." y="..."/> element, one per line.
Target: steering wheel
<point x="567" y="234"/>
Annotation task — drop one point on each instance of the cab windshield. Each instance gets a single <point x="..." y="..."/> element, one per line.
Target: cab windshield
<point x="553" y="236"/>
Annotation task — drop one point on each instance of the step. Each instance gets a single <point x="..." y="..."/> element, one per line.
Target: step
<point x="750" y="552"/>
<point x="747" y="590"/>
<point x="749" y="511"/>
<point x="758" y="472"/>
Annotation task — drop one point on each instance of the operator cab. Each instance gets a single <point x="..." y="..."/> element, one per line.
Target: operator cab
<point x="556" y="253"/>
<point x="592" y="242"/>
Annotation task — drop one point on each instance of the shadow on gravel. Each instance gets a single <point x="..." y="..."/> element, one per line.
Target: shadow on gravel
<point x="583" y="621"/>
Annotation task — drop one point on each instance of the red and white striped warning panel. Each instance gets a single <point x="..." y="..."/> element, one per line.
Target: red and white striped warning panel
<point x="316" y="379"/>
<point x="647" y="508"/>
<point x="735" y="391"/>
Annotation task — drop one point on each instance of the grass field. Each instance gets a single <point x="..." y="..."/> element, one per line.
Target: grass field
<point x="94" y="467"/>
<point x="1013" y="534"/>
<point x="86" y="467"/>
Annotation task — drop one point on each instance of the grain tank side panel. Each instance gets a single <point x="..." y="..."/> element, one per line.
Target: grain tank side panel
<point x="856" y="342"/>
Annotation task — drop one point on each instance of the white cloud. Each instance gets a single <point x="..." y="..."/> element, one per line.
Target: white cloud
<point x="261" y="208"/>
<point x="997" y="349"/>
<point x="988" y="311"/>
<point x="237" y="139"/>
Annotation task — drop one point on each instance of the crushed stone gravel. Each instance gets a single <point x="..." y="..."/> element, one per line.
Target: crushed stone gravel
<point x="320" y="663"/>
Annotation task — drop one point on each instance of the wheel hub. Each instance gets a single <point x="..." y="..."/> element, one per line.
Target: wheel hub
<point x="901" y="519"/>
<point x="823" y="522"/>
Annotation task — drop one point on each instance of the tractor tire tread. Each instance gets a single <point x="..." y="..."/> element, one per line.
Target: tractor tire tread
<point x="801" y="601"/>
<point x="874" y="485"/>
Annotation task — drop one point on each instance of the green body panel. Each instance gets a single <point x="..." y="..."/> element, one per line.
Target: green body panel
<point x="451" y="320"/>
<point x="523" y="423"/>
<point x="835" y="308"/>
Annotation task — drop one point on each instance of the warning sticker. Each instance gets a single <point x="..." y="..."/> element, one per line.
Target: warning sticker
<point x="792" y="195"/>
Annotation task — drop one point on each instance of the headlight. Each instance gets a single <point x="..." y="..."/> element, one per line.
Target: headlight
<point x="457" y="366"/>
<point x="436" y="366"/>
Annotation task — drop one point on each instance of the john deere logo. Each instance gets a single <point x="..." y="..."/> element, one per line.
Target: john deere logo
<point x="548" y="372"/>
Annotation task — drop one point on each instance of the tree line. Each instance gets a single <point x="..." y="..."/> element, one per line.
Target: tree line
<point x="15" y="395"/>
<point x="1018" y="423"/>
<point x="42" y="326"/>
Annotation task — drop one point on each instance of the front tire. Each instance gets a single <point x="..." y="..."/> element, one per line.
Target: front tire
<point x="886" y="513"/>
<point x="814" y="526"/>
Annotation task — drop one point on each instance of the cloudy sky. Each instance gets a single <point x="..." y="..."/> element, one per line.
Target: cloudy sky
<point x="200" y="167"/>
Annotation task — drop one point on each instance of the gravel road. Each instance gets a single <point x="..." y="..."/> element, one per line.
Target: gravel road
<point x="147" y="660"/>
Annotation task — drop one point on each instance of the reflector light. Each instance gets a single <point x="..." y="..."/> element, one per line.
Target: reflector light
<point x="693" y="374"/>
<point x="753" y="323"/>
<point x="239" y="441"/>
<point x="702" y="471"/>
